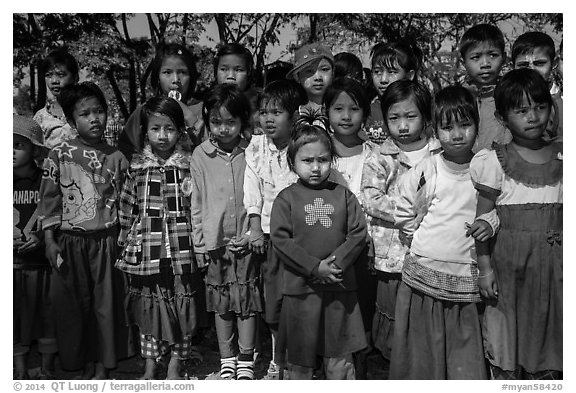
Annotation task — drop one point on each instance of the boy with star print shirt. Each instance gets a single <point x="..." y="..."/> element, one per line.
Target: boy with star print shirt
<point x="308" y="225"/>
<point x="80" y="186"/>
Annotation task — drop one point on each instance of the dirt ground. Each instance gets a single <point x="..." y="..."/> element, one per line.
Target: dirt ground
<point x="132" y="368"/>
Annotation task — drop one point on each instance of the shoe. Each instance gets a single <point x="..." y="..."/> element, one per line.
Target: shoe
<point x="273" y="371"/>
<point x="245" y="367"/>
<point x="228" y="368"/>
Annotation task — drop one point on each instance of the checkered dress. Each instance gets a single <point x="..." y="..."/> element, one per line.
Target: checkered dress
<point x="155" y="215"/>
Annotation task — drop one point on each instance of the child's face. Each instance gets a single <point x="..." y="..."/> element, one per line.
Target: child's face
<point x="162" y="135"/>
<point x="232" y="69"/>
<point x="345" y="115"/>
<point x="174" y="75"/>
<point x="527" y="122"/>
<point x="23" y="151"/>
<point x="483" y="63"/>
<point x="382" y="76"/>
<point x="225" y="128"/>
<point x="90" y="119"/>
<point x="58" y="77"/>
<point x="405" y="121"/>
<point x="276" y="122"/>
<point x="538" y="60"/>
<point x="312" y="163"/>
<point x="316" y="77"/>
<point x="457" y="138"/>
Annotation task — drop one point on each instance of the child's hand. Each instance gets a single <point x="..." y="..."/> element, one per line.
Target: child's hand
<point x="479" y="230"/>
<point x="488" y="285"/>
<point x="239" y="246"/>
<point x="257" y="243"/>
<point x="17" y="243"/>
<point x="189" y="117"/>
<point x="202" y="260"/>
<point x="30" y="245"/>
<point x="52" y="252"/>
<point x="328" y="271"/>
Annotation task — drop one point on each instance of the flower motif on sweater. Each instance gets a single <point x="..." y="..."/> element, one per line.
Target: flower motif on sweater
<point x="319" y="211"/>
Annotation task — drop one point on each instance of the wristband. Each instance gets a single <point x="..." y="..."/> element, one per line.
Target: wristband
<point x="486" y="275"/>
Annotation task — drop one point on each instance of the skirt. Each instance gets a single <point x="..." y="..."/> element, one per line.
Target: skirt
<point x="165" y="305"/>
<point x="435" y="339"/>
<point x="366" y="282"/>
<point x="233" y="284"/>
<point x="523" y="329"/>
<point x="32" y="314"/>
<point x="88" y="303"/>
<point x="383" y="323"/>
<point x="272" y="271"/>
<point x="326" y="324"/>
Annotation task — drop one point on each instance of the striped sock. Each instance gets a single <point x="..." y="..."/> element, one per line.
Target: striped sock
<point x="245" y="368"/>
<point x="228" y="368"/>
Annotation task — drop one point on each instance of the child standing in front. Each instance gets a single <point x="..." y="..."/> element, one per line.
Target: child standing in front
<point x="319" y="230"/>
<point x="60" y="69"/>
<point x="79" y="213"/>
<point x="219" y="227"/>
<point x="348" y="107"/>
<point x="482" y="51"/>
<point x="314" y="70"/>
<point x="267" y="173"/>
<point x="173" y="74"/>
<point x="155" y="225"/>
<point x="390" y="62"/>
<point x="406" y="105"/>
<point x="437" y="332"/>
<point x="521" y="276"/>
<point x="32" y="318"/>
<point x="536" y="50"/>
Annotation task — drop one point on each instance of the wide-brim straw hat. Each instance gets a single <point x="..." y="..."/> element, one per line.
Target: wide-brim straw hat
<point x="29" y="129"/>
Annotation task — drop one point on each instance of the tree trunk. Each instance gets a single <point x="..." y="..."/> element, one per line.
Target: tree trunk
<point x="117" y="94"/>
<point x="313" y="26"/>
<point x="132" y="84"/>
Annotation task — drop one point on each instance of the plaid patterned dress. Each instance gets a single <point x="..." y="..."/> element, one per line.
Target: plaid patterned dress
<point x="165" y="287"/>
<point x="155" y="215"/>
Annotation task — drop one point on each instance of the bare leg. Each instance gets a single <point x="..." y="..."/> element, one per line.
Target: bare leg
<point x="149" y="369"/>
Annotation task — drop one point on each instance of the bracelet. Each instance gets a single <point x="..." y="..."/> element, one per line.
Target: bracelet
<point x="486" y="275"/>
<point x="258" y="238"/>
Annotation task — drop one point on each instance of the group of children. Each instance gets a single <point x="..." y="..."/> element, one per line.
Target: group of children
<point x="427" y="227"/>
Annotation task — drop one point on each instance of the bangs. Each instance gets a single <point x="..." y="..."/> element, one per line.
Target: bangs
<point x="518" y="85"/>
<point x="457" y="114"/>
<point x="389" y="60"/>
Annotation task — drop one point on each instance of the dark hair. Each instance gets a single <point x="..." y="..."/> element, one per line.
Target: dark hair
<point x="55" y="57"/>
<point x="164" y="106"/>
<point x="60" y="56"/>
<point x="477" y="34"/>
<point x="348" y="64"/>
<point x="227" y="96"/>
<point x="351" y="87"/>
<point x="286" y="93"/>
<point x="304" y="134"/>
<point x="404" y="89"/>
<point x="518" y="84"/>
<point x="71" y="94"/>
<point x="239" y="50"/>
<point x="402" y="53"/>
<point x="164" y="50"/>
<point x="455" y="103"/>
<point x="527" y="42"/>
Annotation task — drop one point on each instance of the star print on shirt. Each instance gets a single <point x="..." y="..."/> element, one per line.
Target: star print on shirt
<point x="319" y="211"/>
<point x="64" y="149"/>
<point x="93" y="157"/>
